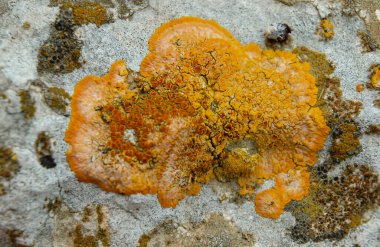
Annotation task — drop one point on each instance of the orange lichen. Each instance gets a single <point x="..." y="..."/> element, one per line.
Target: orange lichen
<point x="199" y="96"/>
<point x="294" y="184"/>
<point x="326" y="29"/>
<point x="270" y="203"/>
<point x="359" y="88"/>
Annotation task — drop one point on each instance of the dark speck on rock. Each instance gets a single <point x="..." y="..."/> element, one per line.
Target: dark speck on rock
<point x="277" y="32"/>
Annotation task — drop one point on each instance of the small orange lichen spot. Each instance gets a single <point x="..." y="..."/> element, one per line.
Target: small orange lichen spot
<point x="359" y="88"/>
<point x="326" y="29"/>
<point x="375" y="79"/>
<point x="203" y="106"/>
<point x="270" y="203"/>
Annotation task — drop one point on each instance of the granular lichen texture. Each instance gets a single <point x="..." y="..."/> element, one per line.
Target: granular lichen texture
<point x="199" y="93"/>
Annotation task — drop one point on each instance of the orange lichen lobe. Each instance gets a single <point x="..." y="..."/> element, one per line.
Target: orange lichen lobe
<point x="270" y="203"/>
<point x="201" y="97"/>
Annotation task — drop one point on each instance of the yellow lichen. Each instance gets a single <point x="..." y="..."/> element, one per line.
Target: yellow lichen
<point x="85" y="12"/>
<point x="326" y="29"/>
<point x="200" y="93"/>
<point x="28" y="107"/>
<point x="375" y="79"/>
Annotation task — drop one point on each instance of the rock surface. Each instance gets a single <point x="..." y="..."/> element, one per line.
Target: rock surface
<point x="41" y="201"/>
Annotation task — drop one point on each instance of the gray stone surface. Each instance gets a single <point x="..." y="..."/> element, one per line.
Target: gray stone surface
<point x="129" y="217"/>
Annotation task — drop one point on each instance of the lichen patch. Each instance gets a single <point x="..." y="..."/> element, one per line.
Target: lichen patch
<point x="199" y="91"/>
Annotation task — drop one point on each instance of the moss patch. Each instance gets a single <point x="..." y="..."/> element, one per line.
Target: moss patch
<point x="339" y="113"/>
<point x="345" y="141"/>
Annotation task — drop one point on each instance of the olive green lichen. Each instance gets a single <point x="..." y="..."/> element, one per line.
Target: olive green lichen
<point x="336" y="205"/>
<point x="28" y="107"/>
<point x="345" y="141"/>
<point x="9" y="167"/>
<point x="43" y="150"/>
<point x="86" y="12"/>
<point x="57" y="99"/>
<point x="61" y="52"/>
<point x="373" y="129"/>
<point x="102" y="233"/>
<point x="214" y="231"/>
<point x="339" y="113"/>
<point x="126" y="10"/>
<point x="26" y="25"/>
<point x="368" y="43"/>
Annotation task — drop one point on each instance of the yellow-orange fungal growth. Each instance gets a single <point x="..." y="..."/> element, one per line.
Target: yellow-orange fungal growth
<point x="200" y="97"/>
